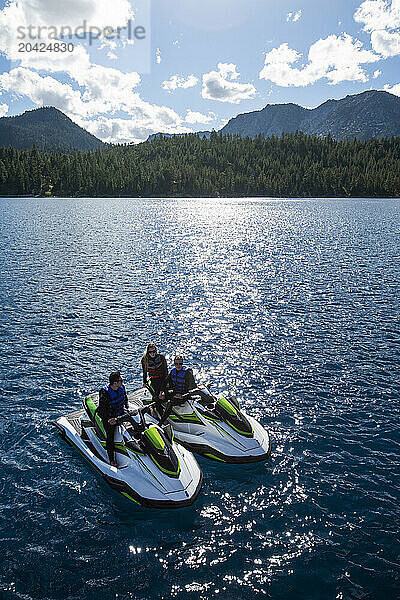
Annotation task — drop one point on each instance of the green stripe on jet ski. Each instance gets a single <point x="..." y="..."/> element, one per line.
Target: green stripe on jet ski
<point x="148" y="470"/>
<point x="227" y="422"/>
<point x="130" y="497"/>
<point x="186" y="418"/>
<point x="166" y="471"/>
<point x="222" y="430"/>
<point x="155" y="438"/>
<point x="226" y="405"/>
<point x="211" y="419"/>
<point x="248" y="434"/>
<point x="91" y="407"/>
<point x="214" y="457"/>
<point x="120" y="448"/>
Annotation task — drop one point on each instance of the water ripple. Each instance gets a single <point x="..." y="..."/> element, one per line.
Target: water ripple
<point x="293" y="306"/>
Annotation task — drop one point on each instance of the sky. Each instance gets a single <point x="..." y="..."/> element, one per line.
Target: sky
<point x="125" y="69"/>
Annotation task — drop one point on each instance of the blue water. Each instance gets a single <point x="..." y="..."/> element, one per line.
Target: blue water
<point x="293" y="306"/>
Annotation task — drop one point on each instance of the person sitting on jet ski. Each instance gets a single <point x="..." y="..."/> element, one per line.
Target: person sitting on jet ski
<point x="112" y="401"/>
<point x="180" y="380"/>
<point x="154" y="365"/>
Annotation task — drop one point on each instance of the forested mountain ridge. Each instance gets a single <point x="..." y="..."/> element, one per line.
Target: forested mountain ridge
<point x="295" y="165"/>
<point x="371" y="114"/>
<point x="362" y="116"/>
<point x="49" y="129"/>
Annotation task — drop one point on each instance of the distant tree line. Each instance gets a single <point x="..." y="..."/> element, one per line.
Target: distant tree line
<point x="295" y="165"/>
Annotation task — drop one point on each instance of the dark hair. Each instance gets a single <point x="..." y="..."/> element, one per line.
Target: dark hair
<point x="145" y="357"/>
<point x="114" y="377"/>
<point x="151" y="345"/>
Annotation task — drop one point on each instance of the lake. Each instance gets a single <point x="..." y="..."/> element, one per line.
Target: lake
<point x="292" y="305"/>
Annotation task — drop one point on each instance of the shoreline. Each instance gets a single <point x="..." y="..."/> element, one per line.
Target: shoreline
<point x="167" y="197"/>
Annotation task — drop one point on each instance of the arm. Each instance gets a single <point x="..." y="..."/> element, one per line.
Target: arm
<point x="190" y="383"/>
<point x="164" y="366"/>
<point x="104" y="405"/>
<point x="126" y="402"/>
<point x="165" y="376"/>
<point x="144" y="368"/>
<point x="166" y="383"/>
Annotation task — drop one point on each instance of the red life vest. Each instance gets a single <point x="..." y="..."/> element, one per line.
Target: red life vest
<point x="155" y="367"/>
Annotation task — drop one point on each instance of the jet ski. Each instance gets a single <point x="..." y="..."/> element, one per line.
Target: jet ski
<point x="153" y="470"/>
<point x="216" y="428"/>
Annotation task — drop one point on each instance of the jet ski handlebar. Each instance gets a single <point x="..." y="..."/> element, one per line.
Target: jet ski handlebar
<point x="204" y="394"/>
<point x="133" y="413"/>
<point x="176" y="401"/>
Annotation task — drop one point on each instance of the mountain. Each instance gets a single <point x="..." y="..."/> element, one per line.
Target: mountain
<point x="49" y="129"/>
<point x="362" y="116"/>
<point x="371" y="114"/>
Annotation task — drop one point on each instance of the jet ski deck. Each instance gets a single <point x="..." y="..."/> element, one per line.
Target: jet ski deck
<point x="153" y="470"/>
<point x="215" y="428"/>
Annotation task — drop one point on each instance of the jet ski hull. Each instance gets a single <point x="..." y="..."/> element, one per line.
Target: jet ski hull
<point x="137" y="478"/>
<point x="229" y="435"/>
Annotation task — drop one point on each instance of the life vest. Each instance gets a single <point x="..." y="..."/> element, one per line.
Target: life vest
<point x="155" y="367"/>
<point x="117" y="400"/>
<point x="178" y="379"/>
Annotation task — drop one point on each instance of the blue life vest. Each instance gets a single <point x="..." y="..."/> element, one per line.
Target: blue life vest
<point x="117" y="400"/>
<point x="178" y="379"/>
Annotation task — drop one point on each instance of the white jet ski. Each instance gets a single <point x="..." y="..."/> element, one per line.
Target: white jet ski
<point x="215" y="428"/>
<point x="153" y="470"/>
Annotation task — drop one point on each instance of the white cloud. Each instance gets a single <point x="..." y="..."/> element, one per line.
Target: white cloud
<point x="158" y="56"/>
<point x="72" y="63"/>
<point x="221" y="85"/>
<point x="45" y="91"/>
<point x="378" y="15"/>
<point x="48" y="14"/>
<point x="90" y="94"/>
<point x="85" y="107"/>
<point x="95" y="81"/>
<point x="381" y="19"/>
<point x="294" y="17"/>
<point x="17" y="17"/>
<point x="176" y="81"/>
<point x="3" y="110"/>
<point x="337" y="58"/>
<point x="125" y="131"/>
<point x="99" y="80"/>
<point x="100" y="13"/>
<point x="386" y="43"/>
<point x="395" y="89"/>
<point x="197" y="117"/>
<point x="377" y="73"/>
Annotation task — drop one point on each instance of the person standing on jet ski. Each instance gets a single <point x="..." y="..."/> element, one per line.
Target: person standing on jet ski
<point x="180" y="380"/>
<point x="112" y="401"/>
<point x="155" y="366"/>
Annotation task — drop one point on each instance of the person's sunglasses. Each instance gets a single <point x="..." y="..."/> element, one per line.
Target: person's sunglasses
<point x="178" y="363"/>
